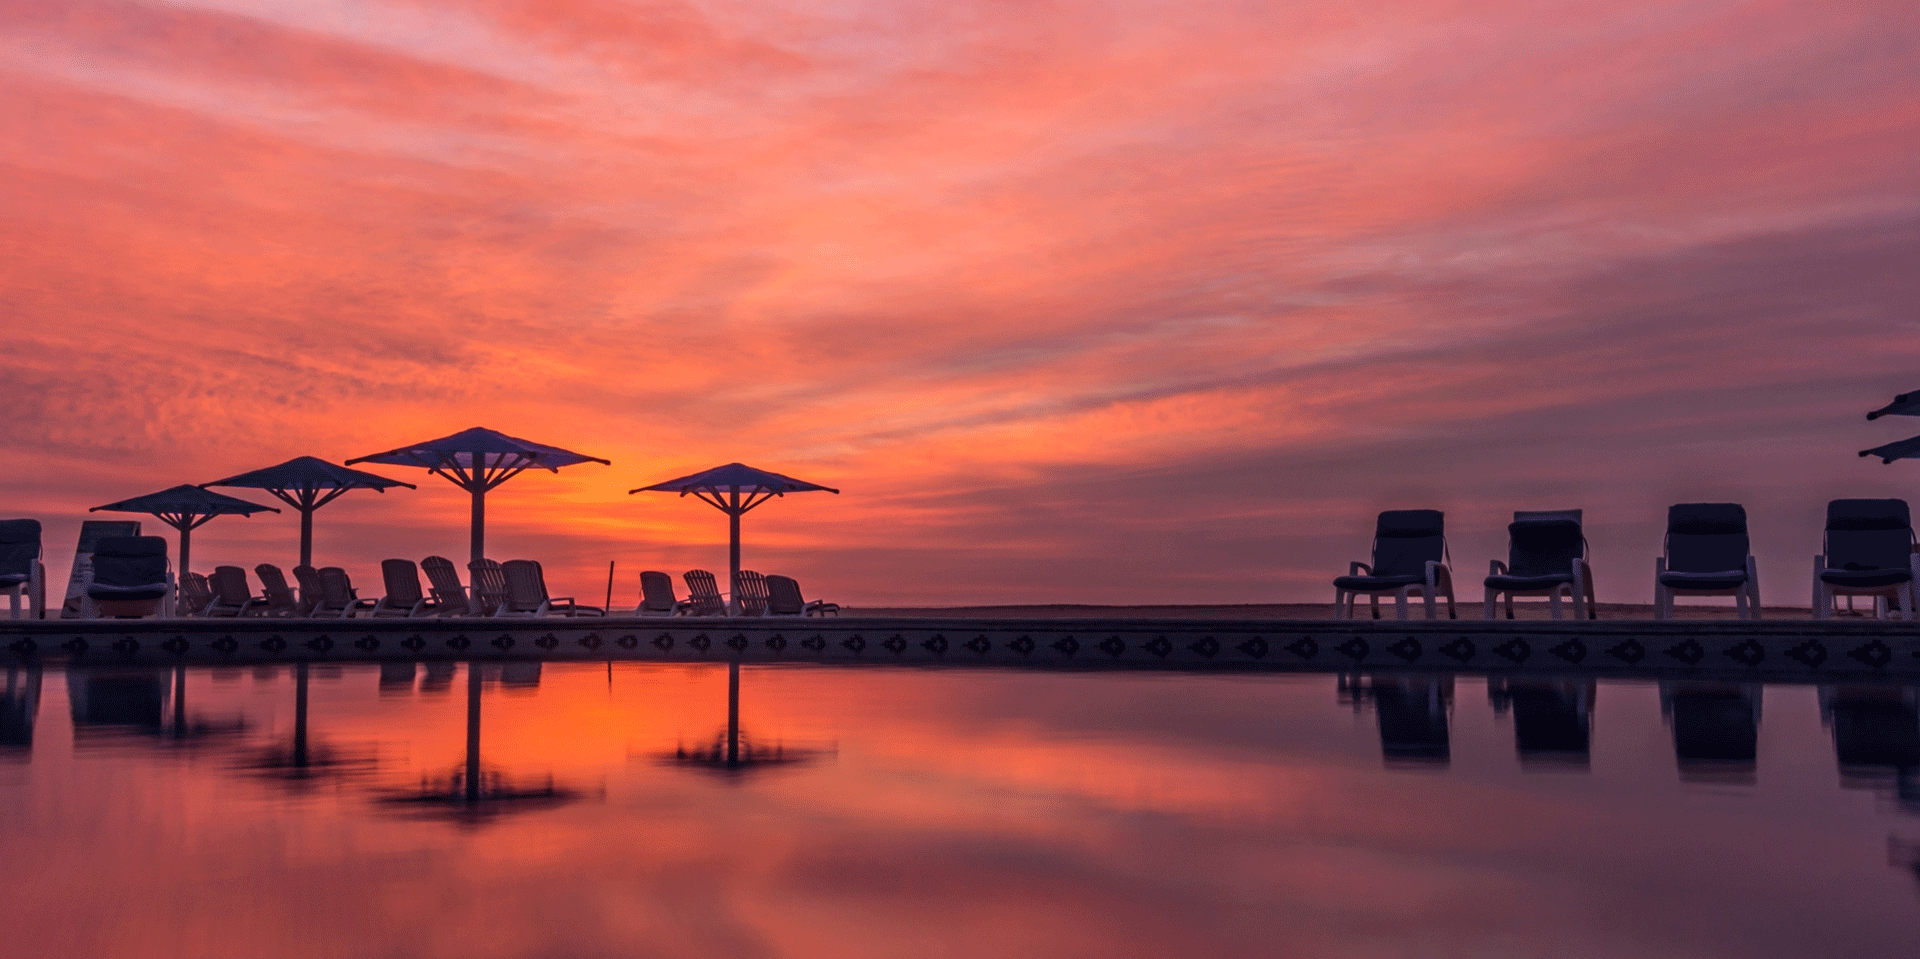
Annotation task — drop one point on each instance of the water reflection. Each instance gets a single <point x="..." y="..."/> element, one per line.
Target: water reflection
<point x="1552" y="720"/>
<point x="1716" y="729"/>
<point x="966" y="812"/>
<point x="19" y="706"/>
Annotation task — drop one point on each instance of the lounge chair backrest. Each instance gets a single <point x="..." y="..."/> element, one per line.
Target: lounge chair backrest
<point x="128" y="561"/>
<point x="1707" y="538"/>
<point x="704" y="592"/>
<point x="402" y="581"/>
<point x="195" y="594"/>
<point x="753" y="593"/>
<point x="19" y="546"/>
<point x="489" y="585"/>
<point x="336" y="589"/>
<point x="1869" y="534"/>
<point x="1543" y="547"/>
<point x="446" y="584"/>
<point x="656" y="592"/>
<point x="273" y="585"/>
<point x="229" y="585"/>
<point x="526" y="585"/>
<point x="784" y="597"/>
<point x="1542" y="515"/>
<point x="312" y="593"/>
<point x="1405" y="540"/>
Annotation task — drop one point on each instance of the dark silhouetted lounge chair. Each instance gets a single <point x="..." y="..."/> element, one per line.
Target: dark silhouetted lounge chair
<point x="527" y="594"/>
<point x="1707" y="555"/>
<point x="22" y="574"/>
<point x="753" y="593"/>
<point x="311" y="592"/>
<point x="656" y="596"/>
<point x="1409" y="556"/>
<point x="449" y="596"/>
<point x="404" y="596"/>
<point x="281" y="599"/>
<point x="1869" y="552"/>
<point x="1547" y="553"/>
<point x="489" y="587"/>
<point x="130" y="577"/>
<point x="231" y="594"/>
<point x="196" y="595"/>
<point x="784" y="599"/>
<point x="704" y="593"/>
<point x="337" y="595"/>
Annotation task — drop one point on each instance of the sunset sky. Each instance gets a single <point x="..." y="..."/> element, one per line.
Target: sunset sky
<point x="1113" y="302"/>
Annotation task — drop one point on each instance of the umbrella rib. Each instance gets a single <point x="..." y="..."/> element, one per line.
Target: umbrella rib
<point x="764" y="493"/>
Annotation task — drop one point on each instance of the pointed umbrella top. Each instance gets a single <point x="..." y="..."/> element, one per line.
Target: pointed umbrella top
<point x="1906" y="404"/>
<point x="185" y="508"/>
<point x="1904" y="449"/>
<point x="185" y="501"/>
<point x="734" y="476"/>
<point x="306" y="484"/>
<point x="491" y="449"/>
<point x="308" y="472"/>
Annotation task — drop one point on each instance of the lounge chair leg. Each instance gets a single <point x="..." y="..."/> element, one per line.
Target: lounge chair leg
<point x="1490" y="600"/>
<point x="1373" y="603"/>
<point x="1509" y="605"/>
<point x="1339" y="602"/>
<point x="1400" y="604"/>
<point x="1553" y="601"/>
<point x="1740" y="603"/>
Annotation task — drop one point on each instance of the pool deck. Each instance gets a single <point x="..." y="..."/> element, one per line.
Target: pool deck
<point x="1705" y="645"/>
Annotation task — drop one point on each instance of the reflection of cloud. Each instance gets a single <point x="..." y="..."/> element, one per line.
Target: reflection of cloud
<point x="1137" y="288"/>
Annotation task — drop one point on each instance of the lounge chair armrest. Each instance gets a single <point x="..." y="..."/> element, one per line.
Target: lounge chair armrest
<point x="1438" y="575"/>
<point x="1358" y="569"/>
<point x="1496" y="568"/>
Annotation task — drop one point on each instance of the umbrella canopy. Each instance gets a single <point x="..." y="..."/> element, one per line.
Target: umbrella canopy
<point x="185" y="508"/>
<point x="477" y="460"/>
<point x="734" y="489"/>
<point x="306" y="484"/>
<point x="1906" y="404"/>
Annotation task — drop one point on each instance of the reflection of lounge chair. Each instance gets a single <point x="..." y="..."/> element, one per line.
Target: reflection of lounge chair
<point x="489" y="589"/>
<point x="752" y="596"/>
<point x="1413" y="713"/>
<point x="1869" y="552"/>
<point x="656" y="596"/>
<point x="337" y="595"/>
<point x="1409" y="556"/>
<point x="1547" y="553"/>
<point x="231" y="594"/>
<point x="403" y="598"/>
<point x="196" y="595"/>
<point x="1876" y="736"/>
<point x="281" y="600"/>
<point x="1716" y="729"/>
<point x="1552" y="720"/>
<point x="22" y="574"/>
<point x="449" y="596"/>
<point x="703" y="592"/>
<point x="784" y="599"/>
<point x="1707" y="555"/>
<point x="527" y="594"/>
<point x="130" y="577"/>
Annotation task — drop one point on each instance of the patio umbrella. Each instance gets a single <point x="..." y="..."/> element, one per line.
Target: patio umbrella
<point x="185" y="508"/>
<point x="734" y="489"/>
<point x="306" y="484"/>
<point x="1906" y="404"/>
<point x="478" y="460"/>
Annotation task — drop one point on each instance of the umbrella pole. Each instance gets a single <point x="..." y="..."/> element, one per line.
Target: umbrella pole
<point x="186" y="550"/>
<point x="733" y="713"/>
<point x="733" y="555"/>
<point x="306" y="535"/>
<point x="300" y="715"/>
<point x="479" y="524"/>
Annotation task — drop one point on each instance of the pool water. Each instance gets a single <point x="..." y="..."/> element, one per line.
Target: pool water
<point x="896" y="812"/>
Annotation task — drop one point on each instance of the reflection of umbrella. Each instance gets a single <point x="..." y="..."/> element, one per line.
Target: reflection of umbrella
<point x="306" y="484"/>
<point x="185" y="508"/>
<point x="734" y="489"/>
<point x="730" y="754"/>
<point x="300" y="762"/>
<point x="478" y="460"/>
<point x="471" y="792"/>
